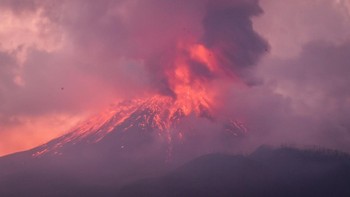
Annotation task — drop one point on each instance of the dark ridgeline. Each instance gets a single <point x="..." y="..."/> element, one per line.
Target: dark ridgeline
<point x="266" y="172"/>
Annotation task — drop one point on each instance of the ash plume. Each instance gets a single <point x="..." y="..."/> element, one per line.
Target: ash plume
<point x="226" y="32"/>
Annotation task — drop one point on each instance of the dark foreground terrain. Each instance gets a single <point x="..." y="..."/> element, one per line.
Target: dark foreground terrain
<point x="282" y="172"/>
<point x="266" y="172"/>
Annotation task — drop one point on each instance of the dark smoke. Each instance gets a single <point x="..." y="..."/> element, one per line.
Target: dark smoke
<point x="228" y="32"/>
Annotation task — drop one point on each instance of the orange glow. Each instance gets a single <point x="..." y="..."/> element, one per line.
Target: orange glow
<point x="204" y="55"/>
<point x="191" y="90"/>
<point x="39" y="130"/>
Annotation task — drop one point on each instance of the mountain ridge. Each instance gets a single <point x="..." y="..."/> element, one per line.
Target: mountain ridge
<point x="321" y="173"/>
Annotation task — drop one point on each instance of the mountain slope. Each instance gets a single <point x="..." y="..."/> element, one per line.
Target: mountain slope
<point x="157" y="118"/>
<point x="280" y="172"/>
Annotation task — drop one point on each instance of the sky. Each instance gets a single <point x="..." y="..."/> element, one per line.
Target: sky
<point x="61" y="61"/>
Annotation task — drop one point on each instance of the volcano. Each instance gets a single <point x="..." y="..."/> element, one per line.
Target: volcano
<point x="128" y="141"/>
<point x="136" y="138"/>
<point x="130" y="124"/>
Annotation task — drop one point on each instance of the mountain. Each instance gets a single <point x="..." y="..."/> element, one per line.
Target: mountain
<point x="130" y="140"/>
<point x="161" y="146"/>
<point x="131" y="124"/>
<point x="267" y="172"/>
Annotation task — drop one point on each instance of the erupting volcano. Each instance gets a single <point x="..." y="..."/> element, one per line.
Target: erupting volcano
<point x="188" y="57"/>
<point x="176" y="115"/>
<point x="168" y="120"/>
<point x="130" y="140"/>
